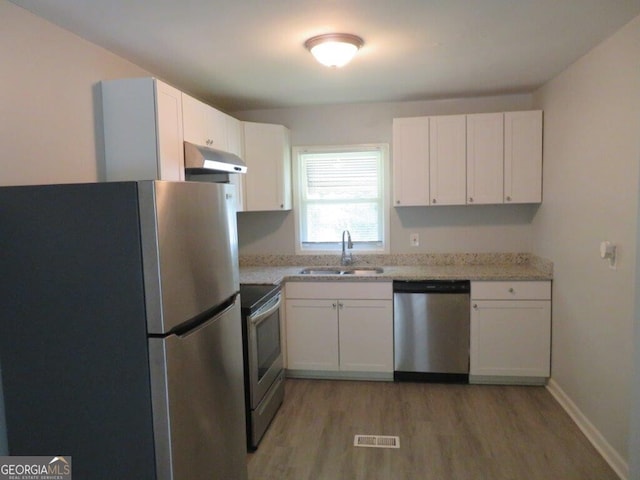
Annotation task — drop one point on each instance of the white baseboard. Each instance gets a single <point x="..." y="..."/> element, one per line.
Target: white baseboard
<point x="611" y="456"/>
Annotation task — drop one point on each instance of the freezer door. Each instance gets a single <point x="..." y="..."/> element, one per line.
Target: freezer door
<point x="190" y="249"/>
<point x="197" y="388"/>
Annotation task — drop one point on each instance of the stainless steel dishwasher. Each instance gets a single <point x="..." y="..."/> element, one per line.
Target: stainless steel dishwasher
<point x="431" y="330"/>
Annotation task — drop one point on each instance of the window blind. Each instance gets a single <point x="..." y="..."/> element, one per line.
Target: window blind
<point x="341" y="191"/>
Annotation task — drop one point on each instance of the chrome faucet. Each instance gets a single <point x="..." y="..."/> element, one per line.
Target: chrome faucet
<point x="347" y="259"/>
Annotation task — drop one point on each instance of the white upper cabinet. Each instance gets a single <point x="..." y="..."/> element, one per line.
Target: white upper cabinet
<point x="267" y="153"/>
<point x="411" y="161"/>
<point x="447" y="160"/>
<point x="235" y="144"/>
<point x="235" y="135"/>
<point x="523" y="157"/>
<point x="208" y="127"/>
<point x="485" y="158"/>
<point x="203" y="124"/>
<point x="143" y="136"/>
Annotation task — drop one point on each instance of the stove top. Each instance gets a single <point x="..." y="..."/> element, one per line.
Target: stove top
<point x="254" y="295"/>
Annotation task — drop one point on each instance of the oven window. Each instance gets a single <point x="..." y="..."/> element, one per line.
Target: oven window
<point x="268" y="337"/>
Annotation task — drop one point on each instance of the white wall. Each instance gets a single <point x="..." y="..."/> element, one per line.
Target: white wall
<point x="591" y="159"/>
<point x="634" y="436"/>
<point x="50" y="105"/>
<point x="504" y="228"/>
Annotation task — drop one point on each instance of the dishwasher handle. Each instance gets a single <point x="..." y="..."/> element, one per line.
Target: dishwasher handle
<point x="431" y="286"/>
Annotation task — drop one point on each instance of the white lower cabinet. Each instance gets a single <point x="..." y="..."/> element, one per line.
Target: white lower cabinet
<point x="510" y="332"/>
<point x="312" y="335"/>
<point x="339" y="329"/>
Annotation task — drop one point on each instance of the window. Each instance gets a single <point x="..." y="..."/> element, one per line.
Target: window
<point x="337" y="189"/>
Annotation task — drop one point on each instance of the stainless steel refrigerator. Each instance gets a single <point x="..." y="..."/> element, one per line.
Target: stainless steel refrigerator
<point x="120" y="328"/>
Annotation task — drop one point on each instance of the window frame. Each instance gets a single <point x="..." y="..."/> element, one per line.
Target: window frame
<point x="332" y="248"/>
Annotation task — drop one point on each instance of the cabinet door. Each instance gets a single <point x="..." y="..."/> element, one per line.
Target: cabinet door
<point x="447" y="160"/>
<point x="511" y="338"/>
<point x="194" y="120"/>
<point x="366" y="335"/>
<point x="170" y="135"/>
<point x="216" y="129"/>
<point x="203" y="124"/>
<point x="235" y="142"/>
<point x="485" y="158"/>
<point x="312" y="335"/>
<point x="523" y="157"/>
<point x="268" y="157"/>
<point x="286" y="179"/>
<point x="236" y="146"/>
<point x="410" y="161"/>
<point x="142" y="120"/>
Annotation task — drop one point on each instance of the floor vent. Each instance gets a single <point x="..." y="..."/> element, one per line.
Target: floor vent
<point x="376" y="441"/>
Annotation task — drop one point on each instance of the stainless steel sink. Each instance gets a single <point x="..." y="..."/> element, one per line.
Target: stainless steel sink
<point x="321" y="271"/>
<point x="363" y="271"/>
<point x="341" y="271"/>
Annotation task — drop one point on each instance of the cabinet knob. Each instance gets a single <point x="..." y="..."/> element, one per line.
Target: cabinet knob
<point x="470" y="199"/>
<point x="508" y="199"/>
<point x="282" y="205"/>
<point x="334" y="305"/>
<point x="398" y="202"/>
<point x="475" y="305"/>
<point x="511" y="290"/>
<point x="434" y="201"/>
<point x="340" y="305"/>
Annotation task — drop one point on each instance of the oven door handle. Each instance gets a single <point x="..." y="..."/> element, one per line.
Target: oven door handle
<point x="261" y="316"/>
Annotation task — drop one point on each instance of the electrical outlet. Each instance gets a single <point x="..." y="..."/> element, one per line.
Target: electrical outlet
<point x="414" y="239"/>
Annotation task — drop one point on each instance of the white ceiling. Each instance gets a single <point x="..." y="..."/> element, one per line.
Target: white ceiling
<point x="248" y="54"/>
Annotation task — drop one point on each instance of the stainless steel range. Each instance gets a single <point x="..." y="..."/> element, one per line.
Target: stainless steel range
<point x="263" y="371"/>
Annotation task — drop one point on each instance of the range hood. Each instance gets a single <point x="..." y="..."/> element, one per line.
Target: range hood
<point x="199" y="160"/>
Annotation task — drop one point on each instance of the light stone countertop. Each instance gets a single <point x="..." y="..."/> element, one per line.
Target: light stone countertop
<point x="524" y="268"/>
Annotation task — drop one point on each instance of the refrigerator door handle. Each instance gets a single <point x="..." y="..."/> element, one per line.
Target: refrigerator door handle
<point x="201" y="323"/>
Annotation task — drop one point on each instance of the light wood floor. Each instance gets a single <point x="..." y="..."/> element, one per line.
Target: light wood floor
<point x="447" y="432"/>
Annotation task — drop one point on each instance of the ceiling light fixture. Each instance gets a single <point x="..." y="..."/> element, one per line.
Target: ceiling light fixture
<point x="334" y="49"/>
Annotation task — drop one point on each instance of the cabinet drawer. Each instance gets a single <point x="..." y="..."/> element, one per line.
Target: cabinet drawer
<point x="335" y="290"/>
<point x="511" y="290"/>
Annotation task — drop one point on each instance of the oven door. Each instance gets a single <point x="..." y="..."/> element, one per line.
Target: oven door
<point x="265" y="350"/>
